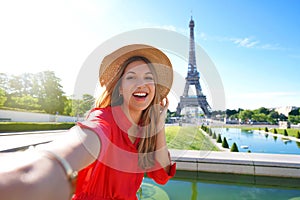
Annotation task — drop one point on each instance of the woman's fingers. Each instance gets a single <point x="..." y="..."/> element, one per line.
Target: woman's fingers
<point x="164" y="106"/>
<point x="164" y="103"/>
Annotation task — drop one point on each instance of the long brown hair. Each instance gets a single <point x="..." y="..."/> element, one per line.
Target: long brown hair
<point x="149" y="117"/>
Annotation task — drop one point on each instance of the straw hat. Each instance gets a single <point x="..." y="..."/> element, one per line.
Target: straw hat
<point x="111" y="65"/>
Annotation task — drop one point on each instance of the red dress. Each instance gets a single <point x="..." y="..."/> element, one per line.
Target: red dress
<point x="115" y="175"/>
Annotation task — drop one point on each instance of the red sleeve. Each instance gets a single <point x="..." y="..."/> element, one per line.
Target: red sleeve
<point x="159" y="175"/>
<point x="99" y="126"/>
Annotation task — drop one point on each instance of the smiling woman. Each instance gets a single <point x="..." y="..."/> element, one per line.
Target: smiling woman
<point x="122" y="138"/>
<point x="137" y="79"/>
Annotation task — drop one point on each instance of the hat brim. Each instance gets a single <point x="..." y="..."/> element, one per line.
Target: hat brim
<point x="111" y="65"/>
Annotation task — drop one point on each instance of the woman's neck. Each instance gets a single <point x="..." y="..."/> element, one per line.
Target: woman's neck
<point x="133" y="115"/>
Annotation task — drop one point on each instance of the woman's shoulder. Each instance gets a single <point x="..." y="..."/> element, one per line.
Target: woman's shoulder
<point x="99" y="114"/>
<point x="98" y="119"/>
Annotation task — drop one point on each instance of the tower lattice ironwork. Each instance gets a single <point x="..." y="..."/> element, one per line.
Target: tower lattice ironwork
<point x="193" y="79"/>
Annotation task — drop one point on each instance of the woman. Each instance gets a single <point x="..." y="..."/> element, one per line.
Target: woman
<point x="122" y="138"/>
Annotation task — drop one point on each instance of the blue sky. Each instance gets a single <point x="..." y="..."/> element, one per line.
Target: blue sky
<point x="254" y="44"/>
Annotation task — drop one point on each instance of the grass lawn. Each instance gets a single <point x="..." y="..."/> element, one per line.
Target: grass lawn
<point x="291" y="132"/>
<point x="188" y="138"/>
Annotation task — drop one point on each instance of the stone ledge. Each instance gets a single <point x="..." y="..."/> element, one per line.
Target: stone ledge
<point x="257" y="164"/>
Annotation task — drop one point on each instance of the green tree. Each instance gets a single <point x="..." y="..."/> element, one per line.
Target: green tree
<point x="68" y="107"/>
<point x="3" y="97"/>
<point x="294" y="112"/>
<point x="50" y="95"/>
<point x="211" y="132"/>
<point x="23" y="90"/>
<point x="225" y="143"/>
<point x="246" y="115"/>
<point x="214" y="135"/>
<point x="234" y="148"/>
<point x="36" y="86"/>
<point x="81" y="106"/>
<point x="219" y="139"/>
<point x="88" y="102"/>
<point x="262" y="110"/>
<point x="282" y="117"/>
<point x="274" y="114"/>
<point x="26" y="102"/>
<point x="27" y="83"/>
<point x="229" y="112"/>
<point x="294" y="119"/>
<point x="285" y="133"/>
<point x="15" y="86"/>
<point x="260" y="117"/>
<point x="271" y="120"/>
<point x="294" y="116"/>
<point x="13" y="90"/>
<point x="4" y="82"/>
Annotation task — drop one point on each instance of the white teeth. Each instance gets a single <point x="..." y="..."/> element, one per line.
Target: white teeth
<point x="140" y="94"/>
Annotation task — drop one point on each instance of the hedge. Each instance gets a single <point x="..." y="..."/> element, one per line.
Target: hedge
<point x="33" y="126"/>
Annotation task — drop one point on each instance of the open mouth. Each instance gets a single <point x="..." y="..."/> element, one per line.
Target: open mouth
<point x="140" y="94"/>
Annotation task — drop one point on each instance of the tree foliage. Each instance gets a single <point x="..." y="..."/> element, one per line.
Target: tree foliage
<point x="234" y="148"/>
<point x="285" y="133"/>
<point x="41" y="91"/>
<point x="225" y="143"/>
<point x="50" y="94"/>
<point x="34" y="91"/>
<point x="3" y="97"/>
<point x="81" y="106"/>
<point x="294" y="119"/>
<point x="294" y="112"/>
<point x="219" y="139"/>
<point x="26" y="102"/>
<point x="246" y="115"/>
<point x="263" y="115"/>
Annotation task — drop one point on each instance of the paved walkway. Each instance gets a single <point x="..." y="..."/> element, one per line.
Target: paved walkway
<point x="257" y="164"/>
<point x="19" y="140"/>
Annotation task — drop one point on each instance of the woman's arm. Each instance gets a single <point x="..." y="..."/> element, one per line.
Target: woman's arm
<point x="162" y="153"/>
<point x="80" y="147"/>
<point x="33" y="175"/>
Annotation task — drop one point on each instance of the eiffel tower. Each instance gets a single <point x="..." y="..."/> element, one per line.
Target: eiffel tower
<point x="193" y="79"/>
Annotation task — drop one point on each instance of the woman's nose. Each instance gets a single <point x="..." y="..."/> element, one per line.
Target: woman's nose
<point x="140" y="83"/>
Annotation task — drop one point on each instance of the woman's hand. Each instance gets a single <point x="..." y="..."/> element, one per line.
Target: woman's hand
<point x="164" y="104"/>
<point x="33" y="176"/>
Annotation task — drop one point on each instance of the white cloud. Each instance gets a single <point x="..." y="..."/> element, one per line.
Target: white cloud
<point x="272" y="47"/>
<point x="167" y="27"/>
<point x="245" y="42"/>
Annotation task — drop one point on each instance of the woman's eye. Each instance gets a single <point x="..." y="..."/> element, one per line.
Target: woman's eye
<point x="149" y="78"/>
<point x="129" y="77"/>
